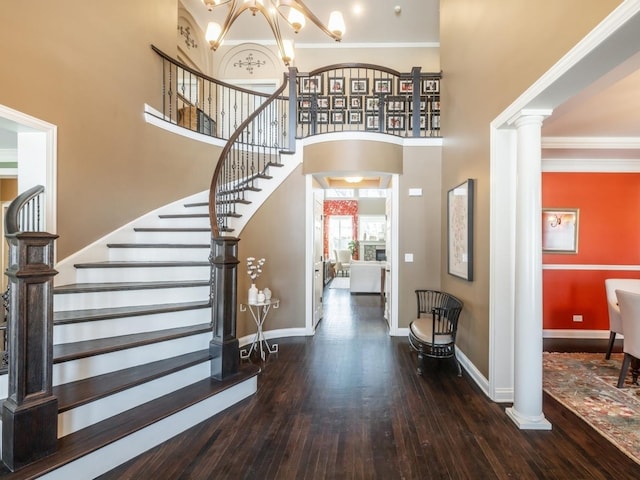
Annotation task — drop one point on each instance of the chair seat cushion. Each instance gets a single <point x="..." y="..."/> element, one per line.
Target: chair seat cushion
<point x="422" y="329"/>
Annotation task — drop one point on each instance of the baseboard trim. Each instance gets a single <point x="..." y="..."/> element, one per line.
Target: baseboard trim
<point x="576" y="334"/>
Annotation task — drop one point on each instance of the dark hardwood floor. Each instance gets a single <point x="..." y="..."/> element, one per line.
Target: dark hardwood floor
<point x="347" y="404"/>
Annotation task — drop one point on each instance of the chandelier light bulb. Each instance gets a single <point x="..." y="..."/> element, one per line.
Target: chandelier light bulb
<point x="213" y="34"/>
<point x="288" y="52"/>
<point x="336" y="24"/>
<point x="296" y="19"/>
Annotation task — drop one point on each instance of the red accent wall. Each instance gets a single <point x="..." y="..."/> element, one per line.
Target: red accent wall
<point x="340" y="207"/>
<point x="608" y="234"/>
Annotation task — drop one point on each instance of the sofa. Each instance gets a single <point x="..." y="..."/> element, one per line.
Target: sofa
<point x="365" y="276"/>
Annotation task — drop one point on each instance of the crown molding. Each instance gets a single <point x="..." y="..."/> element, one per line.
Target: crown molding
<point x="617" y="143"/>
<point x="331" y="45"/>
<point x="591" y="165"/>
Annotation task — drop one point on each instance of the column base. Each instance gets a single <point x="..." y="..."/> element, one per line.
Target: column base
<point x="528" y="423"/>
<point x="225" y="358"/>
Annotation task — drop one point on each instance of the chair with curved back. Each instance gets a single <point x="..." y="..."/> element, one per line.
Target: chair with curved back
<point x="343" y="262"/>
<point x="433" y="333"/>
<point x="629" y="303"/>
<point x="615" y="322"/>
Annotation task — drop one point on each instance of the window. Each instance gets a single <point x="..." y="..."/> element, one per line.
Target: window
<point x="339" y="193"/>
<point x="372" y="193"/>
<point x="340" y="232"/>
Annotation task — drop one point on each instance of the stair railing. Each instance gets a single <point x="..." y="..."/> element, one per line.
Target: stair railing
<point x="252" y="149"/>
<point x="30" y="412"/>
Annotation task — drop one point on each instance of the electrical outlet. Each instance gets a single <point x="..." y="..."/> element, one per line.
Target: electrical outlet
<point x="577" y="318"/>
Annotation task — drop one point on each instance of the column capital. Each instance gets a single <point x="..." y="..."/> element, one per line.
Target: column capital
<point x="529" y="116"/>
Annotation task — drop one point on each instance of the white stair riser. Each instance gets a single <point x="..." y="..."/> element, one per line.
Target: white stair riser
<point x="200" y="254"/>
<point x="78" y="332"/>
<point x="126" y="298"/>
<point x="117" y="453"/>
<point x="110" y="362"/>
<point x="173" y="237"/>
<point x="88" y="414"/>
<point x="143" y="274"/>
<point x="183" y="222"/>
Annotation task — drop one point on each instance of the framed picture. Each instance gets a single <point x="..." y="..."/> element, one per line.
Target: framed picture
<point x="435" y="104"/>
<point x="382" y="85"/>
<point x="359" y="86"/>
<point x="423" y="122"/>
<point x="430" y="85"/>
<point x="304" y="116"/>
<point x="339" y="101"/>
<point x="311" y="84"/>
<point x="337" y="117"/>
<point x="372" y="104"/>
<point x="373" y="122"/>
<point x="423" y="104"/>
<point x="395" y="104"/>
<point x="323" y="117"/>
<point x="460" y="230"/>
<point x="336" y="86"/>
<point x="323" y="103"/>
<point x="435" y="122"/>
<point x="395" y="122"/>
<point x="560" y="230"/>
<point x="304" y="102"/>
<point x="355" y="117"/>
<point x="355" y="102"/>
<point x="405" y="85"/>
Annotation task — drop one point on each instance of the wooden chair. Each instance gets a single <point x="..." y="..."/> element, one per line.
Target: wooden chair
<point x="433" y="333"/>
<point x="629" y="303"/>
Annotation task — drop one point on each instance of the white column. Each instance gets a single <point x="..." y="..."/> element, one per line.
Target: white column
<point x="527" y="406"/>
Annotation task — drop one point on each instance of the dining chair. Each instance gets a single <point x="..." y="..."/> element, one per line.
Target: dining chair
<point x="629" y="303"/>
<point x="615" y="322"/>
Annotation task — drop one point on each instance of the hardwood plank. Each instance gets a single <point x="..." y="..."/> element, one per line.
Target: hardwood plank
<point x="347" y="403"/>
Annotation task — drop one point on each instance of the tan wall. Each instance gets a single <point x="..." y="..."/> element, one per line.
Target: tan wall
<point x="8" y="189"/>
<point x="419" y="228"/>
<point x="277" y="233"/>
<point x="352" y="156"/>
<point x="85" y="69"/>
<point x="490" y="54"/>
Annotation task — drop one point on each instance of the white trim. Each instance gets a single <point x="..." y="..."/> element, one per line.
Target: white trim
<point x="8" y="155"/>
<point x="578" y="334"/>
<point x="591" y="165"/>
<point x="273" y="334"/>
<point x="400" y="332"/>
<point x="475" y="374"/>
<point x="342" y="45"/>
<point x="623" y="268"/>
<point x="592" y="143"/>
<point x="308" y="251"/>
<point x="375" y="137"/>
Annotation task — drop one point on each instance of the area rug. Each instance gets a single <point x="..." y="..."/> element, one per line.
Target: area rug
<point x="585" y="383"/>
<point x="340" y="282"/>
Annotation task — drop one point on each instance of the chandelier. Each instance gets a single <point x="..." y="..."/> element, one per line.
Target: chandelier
<point x="294" y="12"/>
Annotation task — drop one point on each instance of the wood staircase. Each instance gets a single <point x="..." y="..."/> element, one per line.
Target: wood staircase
<point x="131" y="357"/>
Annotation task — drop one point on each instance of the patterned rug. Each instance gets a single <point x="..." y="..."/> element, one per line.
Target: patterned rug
<point x="585" y="383"/>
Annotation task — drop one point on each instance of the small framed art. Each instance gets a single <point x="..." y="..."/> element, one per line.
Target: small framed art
<point x="359" y="86"/>
<point x="336" y="86"/>
<point x="560" y="230"/>
<point x="460" y="230"/>
<point x="382" y="85"/>
<point x="311" y="84"/>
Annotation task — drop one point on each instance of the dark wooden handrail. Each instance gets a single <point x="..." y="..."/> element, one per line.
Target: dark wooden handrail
<point x="24" y="212"/>
<point x="215" y="180"/>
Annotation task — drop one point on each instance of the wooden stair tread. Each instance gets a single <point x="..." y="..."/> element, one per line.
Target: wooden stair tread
<point x="72" y="351"/>
<point x="145" y="264"/>
<point x="184" y="215"/>
<point x="73" y="394"/>
<point x="172" y="229"/>
<point x="115" y="286"/>
<point x="232" y="201"/>
<point x="76" y="316"/>
<point x="158" y="245"/>
<point x="196" y="204"/>
<point x="90" y="439"/>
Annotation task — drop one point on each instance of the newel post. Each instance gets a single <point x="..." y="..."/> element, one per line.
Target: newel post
<point x="224" y="346"/>
<point x="30" y="412"/>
